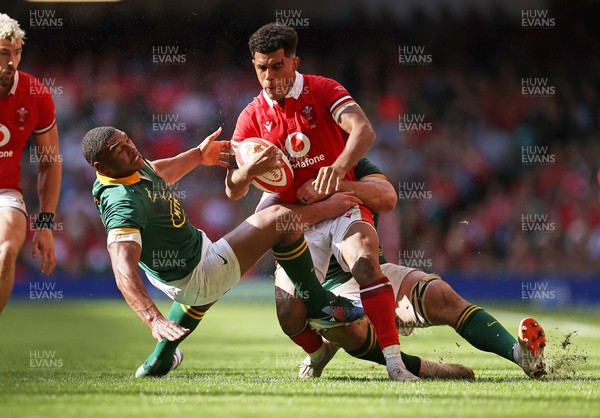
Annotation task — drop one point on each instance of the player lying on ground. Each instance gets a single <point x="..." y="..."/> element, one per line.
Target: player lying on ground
<point x="422" y="300"/>
<point x="323" y="133"/>
<point x="148" y="227"/>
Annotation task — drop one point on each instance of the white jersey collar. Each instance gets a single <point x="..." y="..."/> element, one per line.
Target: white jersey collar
<point x="294" y="92"/>
<point x="13" y="89"/>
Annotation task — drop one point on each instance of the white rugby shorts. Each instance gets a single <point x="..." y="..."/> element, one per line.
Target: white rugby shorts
<point x="217" y="272"/>
<point x="326" y="238"/>
<point x="11" y="199"/>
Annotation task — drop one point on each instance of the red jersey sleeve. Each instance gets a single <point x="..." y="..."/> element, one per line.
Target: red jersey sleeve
<point x="336" y="97"/>
<point x="246" y="126"/>
<point x="46" y="111"/>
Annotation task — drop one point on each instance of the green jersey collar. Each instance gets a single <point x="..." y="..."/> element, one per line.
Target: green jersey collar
<point x="129" y="180"/>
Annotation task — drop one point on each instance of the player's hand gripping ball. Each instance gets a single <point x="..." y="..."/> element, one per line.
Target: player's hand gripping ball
<point x="274" y="181"/>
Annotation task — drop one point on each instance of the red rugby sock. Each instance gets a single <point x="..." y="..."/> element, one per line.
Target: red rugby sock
<point x="379" y="304"/>
<point x="308" y="339"/>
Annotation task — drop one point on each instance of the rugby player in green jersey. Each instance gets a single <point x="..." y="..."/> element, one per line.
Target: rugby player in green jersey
<point x="422" y="300"/>
<point x="148" y="227"/>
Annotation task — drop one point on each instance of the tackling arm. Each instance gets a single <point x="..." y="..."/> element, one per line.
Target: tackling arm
<point x="375" y="191"/>
<point x="332" y="207"/>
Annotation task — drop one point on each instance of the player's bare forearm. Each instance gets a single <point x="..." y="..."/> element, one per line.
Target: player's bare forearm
<point x="237" y="183"/>
<point x="49" y="169"/>
<point x="377" y="193"/>
<point x="360" y="137"/>
<point x="208" y="153"/>
<point x="330" y="208"/>
<point x="124" y="258"/>
<point x="49" y="177"/>
<point x="174" y="168"/>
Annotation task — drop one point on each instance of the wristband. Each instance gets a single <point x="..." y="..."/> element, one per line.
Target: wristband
<point x="45" y="220"/>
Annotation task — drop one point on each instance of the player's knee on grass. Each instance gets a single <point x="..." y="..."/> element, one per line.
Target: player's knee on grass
<point x="442" y="304"/>
<point x="291" y="312"/>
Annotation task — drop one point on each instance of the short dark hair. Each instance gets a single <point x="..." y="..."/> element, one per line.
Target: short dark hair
<point x="274" y="36"/>
<point x="93" y="142"/>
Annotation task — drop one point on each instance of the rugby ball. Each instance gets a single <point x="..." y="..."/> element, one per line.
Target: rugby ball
<point x="274" y="181"/>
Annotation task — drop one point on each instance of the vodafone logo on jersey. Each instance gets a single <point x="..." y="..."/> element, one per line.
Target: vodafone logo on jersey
<point x="297" y="144"/>
<point x="4" y="135"/>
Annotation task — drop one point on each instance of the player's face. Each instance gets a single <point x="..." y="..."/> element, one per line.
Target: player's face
<point x="276" y="72"/>
<point x="120" y="157"/>
<point x="10" y="56"/>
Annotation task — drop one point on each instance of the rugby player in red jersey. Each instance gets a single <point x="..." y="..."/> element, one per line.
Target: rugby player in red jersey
<point x="26" y="108"/>
<point x="423" y="300"/>
<point x="324" y="133"/>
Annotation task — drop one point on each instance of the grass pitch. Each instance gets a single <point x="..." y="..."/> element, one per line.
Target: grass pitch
<point x="75" y="359"/>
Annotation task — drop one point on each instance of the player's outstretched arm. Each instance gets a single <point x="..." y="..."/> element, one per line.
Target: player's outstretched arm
<point x="209" y="152"/>
<point x="375" y="192"/>
<point x="237" y="182"/>
<point x="361" y="135"/>
<point x="49" y="177"/>
<point x="124" y="257"/>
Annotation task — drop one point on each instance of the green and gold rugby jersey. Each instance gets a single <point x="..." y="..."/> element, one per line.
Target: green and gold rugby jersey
<point x="171" y="245"/>
<point x="335" y="275"/>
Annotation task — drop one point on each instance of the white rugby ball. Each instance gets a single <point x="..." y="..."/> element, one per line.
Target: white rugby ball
<point x="275" y="181"/>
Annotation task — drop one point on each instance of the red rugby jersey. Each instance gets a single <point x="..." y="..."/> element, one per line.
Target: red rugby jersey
<point x="28" y="108"/>
<point x="305" y="128"/>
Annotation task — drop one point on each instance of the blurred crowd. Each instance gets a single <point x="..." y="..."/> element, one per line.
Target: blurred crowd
<point x="490" y="179"/>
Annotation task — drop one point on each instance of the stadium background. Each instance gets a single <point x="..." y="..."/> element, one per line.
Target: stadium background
<point x="498" y="188"/>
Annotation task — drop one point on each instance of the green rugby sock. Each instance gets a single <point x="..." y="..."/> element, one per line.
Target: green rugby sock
<point x="484" y="332"/>
<point x="297" y="263"/>
<point x="371" y="351"/>
<point x="161" y="359"/>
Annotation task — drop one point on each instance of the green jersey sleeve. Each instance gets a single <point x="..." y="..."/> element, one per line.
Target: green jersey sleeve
<point x="123" y="210"/>
<point x="366" y="168"/>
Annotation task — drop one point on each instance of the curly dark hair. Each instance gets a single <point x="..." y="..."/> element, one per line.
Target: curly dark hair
<point x="93" y="142"/>
<point x="274" y="36"/>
